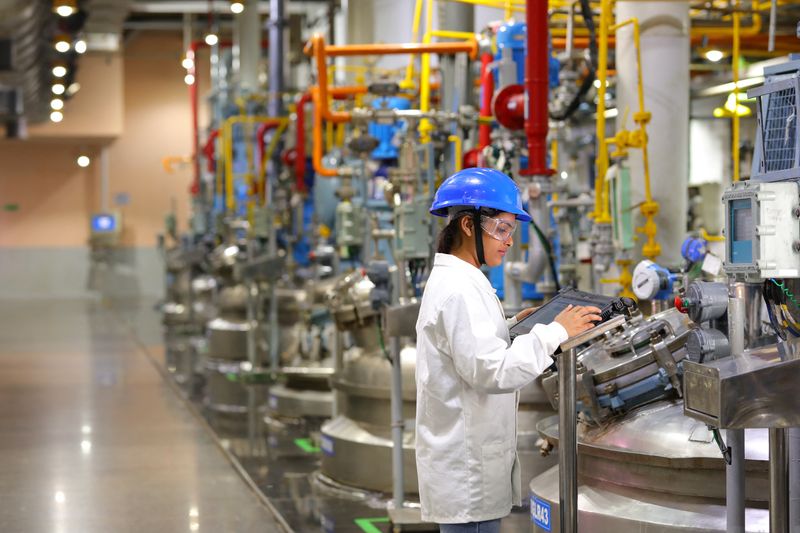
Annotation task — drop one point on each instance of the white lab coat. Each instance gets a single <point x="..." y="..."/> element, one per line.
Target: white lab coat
<point x="468" y="375"/>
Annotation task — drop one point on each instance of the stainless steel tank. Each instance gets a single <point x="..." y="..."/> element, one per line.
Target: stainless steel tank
<point x="227" y="361"/>
<point x="643" y="466"/>
<point x="306" y="355"/>
<point x="187" y="307"/>
<point x="357" y="444"/>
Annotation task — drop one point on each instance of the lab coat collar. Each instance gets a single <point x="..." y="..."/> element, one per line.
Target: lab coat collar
<point x="449" y="260"/>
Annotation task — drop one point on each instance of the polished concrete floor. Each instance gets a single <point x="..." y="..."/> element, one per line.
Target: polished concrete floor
<point x="92" y="438"/>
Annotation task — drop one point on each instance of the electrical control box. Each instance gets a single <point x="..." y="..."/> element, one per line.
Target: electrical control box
<point x="762" y="230"/>
<point x="413" y="228"/>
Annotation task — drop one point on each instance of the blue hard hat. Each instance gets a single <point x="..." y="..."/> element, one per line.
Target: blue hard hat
<point x="479" y="187"/>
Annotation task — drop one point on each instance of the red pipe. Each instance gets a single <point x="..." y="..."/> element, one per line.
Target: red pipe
<point x="487" y="88"/>
<point x="208" y="149"/>
<point x="300" y="144"/>
<point x="536" y="83"/>
<point x="191" y="53"/>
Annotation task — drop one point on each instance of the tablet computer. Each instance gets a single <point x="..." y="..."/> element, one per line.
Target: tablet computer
<point x="608" y="305"/>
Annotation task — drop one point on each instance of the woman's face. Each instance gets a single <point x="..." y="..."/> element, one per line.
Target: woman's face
<point x="498" y="237"/>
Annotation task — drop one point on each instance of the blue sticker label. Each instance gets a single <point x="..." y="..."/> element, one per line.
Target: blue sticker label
<point x="326" y="443"/>
<point x="540" y="513"/>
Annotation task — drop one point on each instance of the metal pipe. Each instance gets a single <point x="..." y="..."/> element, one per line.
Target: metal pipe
<point x="794" y="479"/>
<point x="778" y="481"/>
<point x="601" y="213"/>
<point x="735" y="472"/>
<point x="568" y="442"/>
<point x="249" y="26"/>
<point x="773" y="8"/>
<point x="398" y="425"/>
<point x="537" y="59"/>
<point x="105" y="178"/>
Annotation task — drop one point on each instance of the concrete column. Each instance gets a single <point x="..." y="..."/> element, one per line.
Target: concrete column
<point x="665" y="72"/>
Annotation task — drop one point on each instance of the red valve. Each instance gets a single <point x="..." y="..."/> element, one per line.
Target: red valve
<point x="679" y="305"/>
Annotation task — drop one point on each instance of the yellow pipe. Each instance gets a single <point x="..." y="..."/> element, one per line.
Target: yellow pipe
<point x="457" y="149"/>
<point x="425" y="126"/>
<point x="649" y="208"/>
<point x="328" y="136"/>
<point x="601" y="212"/>
<point x="711" y="238"/>
<point x="448" y="34"/>
<point x="501" y="4"/>
<point x="696" y="31"/>
<point x="735" y="68"/>
<point x="408" y="82"/>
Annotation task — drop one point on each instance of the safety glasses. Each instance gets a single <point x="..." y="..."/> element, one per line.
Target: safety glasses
<point x="498" y="228"/>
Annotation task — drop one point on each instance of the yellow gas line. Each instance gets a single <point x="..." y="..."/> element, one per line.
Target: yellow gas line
<point x="735" y="68"/>
<point x="425" y="126"/>
<point x="408" y="83"/>
<point x="457" y="151"/>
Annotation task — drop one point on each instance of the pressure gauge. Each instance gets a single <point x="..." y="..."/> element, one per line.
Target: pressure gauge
<point x="651" y="281"/>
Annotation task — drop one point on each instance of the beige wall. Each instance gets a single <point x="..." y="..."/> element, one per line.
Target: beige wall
<point x="137" y="105"/>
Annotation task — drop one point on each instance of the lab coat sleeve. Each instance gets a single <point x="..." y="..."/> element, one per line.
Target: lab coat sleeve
<point x="485" y="360"/>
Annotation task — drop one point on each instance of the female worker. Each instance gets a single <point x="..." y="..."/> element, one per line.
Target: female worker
<point x="468" y="373"/>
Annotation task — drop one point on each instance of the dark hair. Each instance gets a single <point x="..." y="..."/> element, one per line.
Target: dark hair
<point x="450" y="236"/>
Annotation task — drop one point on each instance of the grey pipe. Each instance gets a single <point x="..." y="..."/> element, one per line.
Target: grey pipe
<point x="794" y="479"/>
<point x="398" y="425"/>
<point x="778" y="481"/>
<point x="568" y="443"/>
<point x="735" y="472"/>
<point x="773" y="8"/>
<point x="250" y="50"/>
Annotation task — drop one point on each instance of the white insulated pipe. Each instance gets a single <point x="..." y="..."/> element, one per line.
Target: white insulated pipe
<point x="248" y="26"/>
<point x="665" y="72"/>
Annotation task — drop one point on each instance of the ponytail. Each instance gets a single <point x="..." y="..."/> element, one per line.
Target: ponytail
<point x="449" y="237"/>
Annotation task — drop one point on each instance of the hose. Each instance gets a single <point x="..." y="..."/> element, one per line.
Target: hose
<point x="549" y="250"/>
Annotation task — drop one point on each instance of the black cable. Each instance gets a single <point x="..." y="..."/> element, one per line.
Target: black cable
<point x="548" y="249"/>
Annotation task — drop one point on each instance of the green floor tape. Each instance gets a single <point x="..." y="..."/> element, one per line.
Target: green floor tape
<point x="306" y="445"/>
<point x="367" y="525"/>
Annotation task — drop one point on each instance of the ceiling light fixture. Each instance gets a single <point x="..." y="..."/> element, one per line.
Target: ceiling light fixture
<point x="80" y="46"/>
<point x="62" y="43"/>
<point x="714" y="55"/>
<point x="64" y="8"/>
<point x="58" y="88"/>
<point x="57" y="104"/>
<point x="188" y="79"/>
<point x="59" y="71"/>
<point x="236" y="7"/>
<point x="211" y="39"/>
<point x="56" y="116"/>
<point x="84" y="161"/>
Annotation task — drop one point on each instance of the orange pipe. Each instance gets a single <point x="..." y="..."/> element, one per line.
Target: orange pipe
<point x="316" y="47"/>
<point x="316" y="155"/>
<point x="468" y="47"/>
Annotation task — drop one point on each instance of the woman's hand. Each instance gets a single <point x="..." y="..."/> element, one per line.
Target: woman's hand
<point x="577" y="319"/>
<point x="525" y="313"/>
